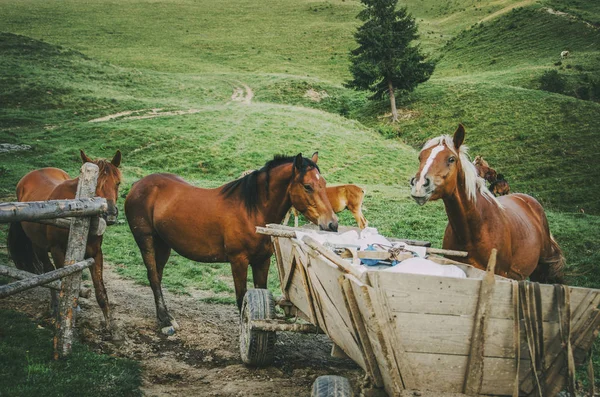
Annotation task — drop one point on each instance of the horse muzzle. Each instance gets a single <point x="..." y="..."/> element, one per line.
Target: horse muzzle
<point x="331" y="226"/>
<point x="421" y="200"/>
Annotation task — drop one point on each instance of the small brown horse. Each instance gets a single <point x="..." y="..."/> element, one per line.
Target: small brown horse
<point x="500" y="186"/>
<point x="341" y="197"/>
<point x="218" y="225"/>
<point x="478" y="222"/>
<point x="29" y="243"/>
<point x="484" y="170"/>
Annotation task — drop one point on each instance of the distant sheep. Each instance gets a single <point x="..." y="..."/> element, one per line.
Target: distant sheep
<point x="564" y="54"/>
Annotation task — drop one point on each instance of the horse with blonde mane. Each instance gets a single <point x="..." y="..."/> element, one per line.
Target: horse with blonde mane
<point x="515" y="225"/>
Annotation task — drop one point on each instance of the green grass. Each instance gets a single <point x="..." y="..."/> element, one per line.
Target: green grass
<point x="27" y="368"/>
<point x="63" y="63"/>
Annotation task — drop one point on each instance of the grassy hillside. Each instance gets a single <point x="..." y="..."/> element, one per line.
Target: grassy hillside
<point x="64" y="63"/>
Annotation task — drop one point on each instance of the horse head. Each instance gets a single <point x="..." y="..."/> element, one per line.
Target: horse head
<point x="308" y="193"/>
<point x="442" y="160"/>
<point x="109" y="179"/>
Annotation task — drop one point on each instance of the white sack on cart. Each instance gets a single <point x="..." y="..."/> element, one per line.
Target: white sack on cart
<point x="426" y="266"/>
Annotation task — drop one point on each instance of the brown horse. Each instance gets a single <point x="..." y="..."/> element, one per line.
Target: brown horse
<point x="500" y="186"/>
<point x="484" y="170"/>
<point x="477" y="222"/>
<point x="29" y="243"/>
<point x="218" y="225"/>
<point x="341" y="197"/>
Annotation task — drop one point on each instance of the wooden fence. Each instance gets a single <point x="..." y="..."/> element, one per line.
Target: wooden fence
<point x="81" y="216"/>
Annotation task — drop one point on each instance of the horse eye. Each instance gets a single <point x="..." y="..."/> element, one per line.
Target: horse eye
<point x="451" y="160"/>
<point x="308" y="188"/>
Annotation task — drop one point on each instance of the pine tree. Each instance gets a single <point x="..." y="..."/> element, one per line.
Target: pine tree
<point x="385" y="62"/>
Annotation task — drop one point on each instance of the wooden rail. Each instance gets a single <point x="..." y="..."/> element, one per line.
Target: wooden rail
<point x="81" y="210"/>
<point x="35" y="210"/>
<point x="41" y="279"/>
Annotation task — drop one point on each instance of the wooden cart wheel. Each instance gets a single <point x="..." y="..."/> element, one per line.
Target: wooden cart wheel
<point x="331" y="386"/>
<point x="257" y="347"/>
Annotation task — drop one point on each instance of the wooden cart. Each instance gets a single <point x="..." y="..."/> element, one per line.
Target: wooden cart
<point x="410" y="331"/>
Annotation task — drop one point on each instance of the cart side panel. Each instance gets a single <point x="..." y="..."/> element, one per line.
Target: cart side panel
<point x="329" y="300"/>
<point x="391" y="380"/>
<point x="291" y="259"/>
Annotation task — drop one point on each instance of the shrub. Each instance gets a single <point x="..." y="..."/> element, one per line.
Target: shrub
<point x="552" y="81"/>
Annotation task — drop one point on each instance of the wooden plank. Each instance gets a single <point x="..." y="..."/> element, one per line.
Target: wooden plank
<point x="359" y="325"/>
<point x="76" y="247"/>
<point x="474" y="371"/>
<point x="36" y="210"/>
<point x="439" y="334"/>
<point x="393" y="338"/>
<point x="12" y="272"/>
<point x="330" y="299"/>
<point x="445" y="373"/>
<point x="389" y="371"/>
<point x="97" y="225"/>
<point x="411" y="293"/>
<point x="41" y="279"/>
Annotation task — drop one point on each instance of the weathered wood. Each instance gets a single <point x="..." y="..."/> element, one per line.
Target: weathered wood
<point x="359" y="325"/>
<point x="15" y="273"/>
<point x="97" y="224"/>
<point x="280" y="326"/>
<point x="275" y="232"/>
<point x="394" y="339"/>
<point x="339" y="262"/>
<point x="474" y="370"/>
<point x="440" y="251"/>
<point x="36" y="210"/>
<point x="41" y="279"/>
<point x="76" y="247"/>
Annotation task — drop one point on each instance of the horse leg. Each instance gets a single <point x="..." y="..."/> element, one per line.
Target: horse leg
<point x="148" y="245"/>
<point x="239" y="269"/>
<point x="360" y="218"/>
<point x="99" y="288"/>
<point x="260" y="273"/>
<point x="42" y="255"/>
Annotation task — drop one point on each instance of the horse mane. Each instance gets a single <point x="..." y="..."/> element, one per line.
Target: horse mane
<point x="106" y="169"/>
<point x="473" y="183"/>
<point x="246" y="188"/>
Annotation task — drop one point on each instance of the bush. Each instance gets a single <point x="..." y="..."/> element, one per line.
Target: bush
<point x="552" y="81"/>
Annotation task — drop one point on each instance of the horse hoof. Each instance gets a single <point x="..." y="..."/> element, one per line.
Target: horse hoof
<point x="174" y="324"/>
<point x="170" y="330"/>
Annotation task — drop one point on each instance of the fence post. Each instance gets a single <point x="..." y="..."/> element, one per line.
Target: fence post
<point x="78" y="235"/>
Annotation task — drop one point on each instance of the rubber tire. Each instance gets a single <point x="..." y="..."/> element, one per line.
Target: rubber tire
<point x="331" y="386"/>
<point x="257" y="348"/>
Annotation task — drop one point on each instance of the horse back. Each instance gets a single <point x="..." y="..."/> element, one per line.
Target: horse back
<point x="39" y="185"/>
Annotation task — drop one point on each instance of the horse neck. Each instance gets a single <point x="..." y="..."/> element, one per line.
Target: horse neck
<point x="464" y="215"/>
<point x="275" y="207"/>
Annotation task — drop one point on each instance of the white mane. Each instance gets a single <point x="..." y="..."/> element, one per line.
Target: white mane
<point x="473" y="182"/>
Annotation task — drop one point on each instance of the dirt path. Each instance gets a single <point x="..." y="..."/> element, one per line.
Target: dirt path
<point x="203" y="357"/>
<point x="242" y="94"/>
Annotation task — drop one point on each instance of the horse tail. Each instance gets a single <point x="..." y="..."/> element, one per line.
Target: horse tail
<point x="551" y="269"/>
<point x="20" y="249"/>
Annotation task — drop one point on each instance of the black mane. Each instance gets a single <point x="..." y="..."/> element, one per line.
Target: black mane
<point x="246" y="188"/>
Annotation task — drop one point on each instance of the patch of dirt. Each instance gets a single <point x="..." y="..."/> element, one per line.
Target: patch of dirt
<point x="242" y="93"/>
<point x="506" y="9"/>
<point x="202" y="358"/>
<point x="403" y="114"/>
<point x="144" y="114"/>
<point x="316" y="96"/>
<point x="572" y="17"/>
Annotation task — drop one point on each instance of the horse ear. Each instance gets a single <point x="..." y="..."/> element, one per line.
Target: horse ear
<point x="84" y="158"/>
<point x="459" y="136"/>
<point x="116" y="160"/>
<point x="315" y="157"/>
<point x="298" y="161"/>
